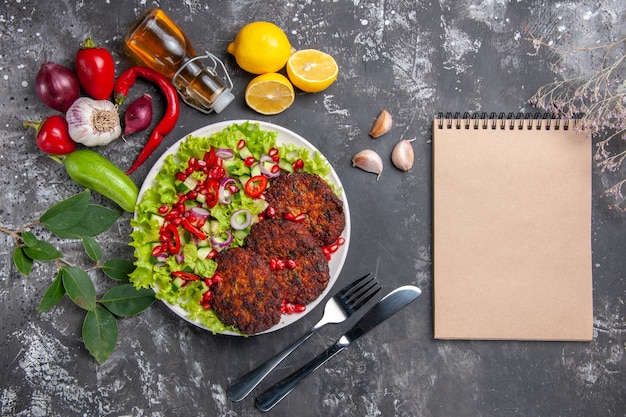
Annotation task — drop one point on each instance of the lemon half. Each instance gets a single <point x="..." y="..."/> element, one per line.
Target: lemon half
<point x="311" y="70"/>
<point x="269" y="93"/>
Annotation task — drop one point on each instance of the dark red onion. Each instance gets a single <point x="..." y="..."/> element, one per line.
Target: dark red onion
<point x="56" y="86"/>
<point x="138" y="115"/>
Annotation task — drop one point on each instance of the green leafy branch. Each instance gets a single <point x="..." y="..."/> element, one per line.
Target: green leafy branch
<point x="76" y="218"/>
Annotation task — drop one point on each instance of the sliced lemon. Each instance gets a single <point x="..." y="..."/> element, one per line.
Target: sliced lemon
<point x="269" y="93"/>
<point x="311" y="70"/>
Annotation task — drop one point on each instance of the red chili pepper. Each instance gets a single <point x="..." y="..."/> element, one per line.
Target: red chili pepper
<point x="211" y="192"/>
<point x="209" y="157"/>
<point x="52" y="135"/>
<point x="193" y="229"/>
<point x="256" y="185"/>
<point x="95" y="69"/>
<point x="187" y="276"/>
<point x="169" y="119"/>
<point x="175" y="242"/>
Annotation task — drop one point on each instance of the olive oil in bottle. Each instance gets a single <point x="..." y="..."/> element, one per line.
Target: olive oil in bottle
<point x="158" y="43"/>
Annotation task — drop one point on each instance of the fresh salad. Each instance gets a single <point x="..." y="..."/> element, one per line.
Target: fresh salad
<point x="204" y="199"/>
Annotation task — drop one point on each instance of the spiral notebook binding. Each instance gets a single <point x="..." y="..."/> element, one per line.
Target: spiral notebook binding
<point x="511" y="121"/>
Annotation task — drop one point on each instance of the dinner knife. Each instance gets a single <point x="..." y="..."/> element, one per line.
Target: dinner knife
<point x="385" y="308"/>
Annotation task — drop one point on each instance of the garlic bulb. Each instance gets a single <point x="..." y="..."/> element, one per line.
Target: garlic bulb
<point x="369" y="161"/>
<point x="93" y="122"/>
<point x="402" y="155"/>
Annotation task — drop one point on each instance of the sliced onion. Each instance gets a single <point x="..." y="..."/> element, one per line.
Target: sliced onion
<point x="223" y="194"/>
<point x="224" y="153"/>
<point x="180" y="258"/>
<point x="268" y="173"/>
<point x="234" y="219"/>
<point x="200" y="212"/>
<point x="218" y="243"/>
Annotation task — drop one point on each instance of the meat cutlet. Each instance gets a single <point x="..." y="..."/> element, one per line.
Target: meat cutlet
<point x="304" y="193"/>
<point x="304" y="273"/>
<point x="248" y="297"/>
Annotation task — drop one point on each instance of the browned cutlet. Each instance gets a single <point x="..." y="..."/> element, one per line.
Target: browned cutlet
<point x="248" y="297"/>
<point x="307" y="280"/>
<point x="280" y="237"/>
<point x="304" y="193"/>
<point x="304" y="273"/>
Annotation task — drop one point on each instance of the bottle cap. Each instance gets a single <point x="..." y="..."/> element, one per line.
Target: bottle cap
<point x="223" y="100"/>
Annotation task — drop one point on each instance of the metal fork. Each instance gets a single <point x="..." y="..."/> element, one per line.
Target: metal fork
<point x="338" y="308"/>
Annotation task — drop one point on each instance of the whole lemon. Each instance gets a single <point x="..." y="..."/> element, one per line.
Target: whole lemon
<point x="260" y="47"/>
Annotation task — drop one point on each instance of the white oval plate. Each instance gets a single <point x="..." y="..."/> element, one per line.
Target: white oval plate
<point x="285" y="136"/>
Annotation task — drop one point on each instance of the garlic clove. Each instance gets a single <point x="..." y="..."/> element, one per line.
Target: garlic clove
<point x="402" y="155"/>
<point x="369" y="161"/>
<point x="382" y="124"/>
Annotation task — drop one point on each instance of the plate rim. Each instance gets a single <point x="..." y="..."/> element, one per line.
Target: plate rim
<point x="338" y="261"/>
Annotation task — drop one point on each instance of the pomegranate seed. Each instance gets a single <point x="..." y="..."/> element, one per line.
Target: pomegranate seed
<point x="163" y="209"/>
<point x="300" y="308"/>
<point x="192" y="195"/>
<point x="212" y="255"/>
<point x="219" y="162"/>
<point x="280" y="264"/>
<point x="333" y="248"/>
<point x="217" y="173"/>
<point x="181" y="176"/>
<point x="270" y="211"/>
<point x="272" y="264"/>
<point x="290" y="308"/>
<point x="289" y="216"/>
<point x="326" y="250"/>
<point x="283" y="307"/>
<point x="249" y="161"/>
<point x="291" y="264"/>
<point x="171" y="215"/>
<point x="200" y="163"/>
<point x="157" y="250"/>
<point x="241" y="144"/>
<point x="300" y="217"/>
<point x="298" y="164"/>
<point x="340" y="241"/>
<point x="275" y="169"/>
<point x="192" y="218"/>
<point x="216" y="279"/>
<point x="189" y="170"/>
<point x="272" y="152"/>
<point x="201" y="222"/>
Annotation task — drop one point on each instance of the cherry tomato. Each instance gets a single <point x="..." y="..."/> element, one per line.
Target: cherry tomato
<point x="53" y="136"/>
<point x="95" y="70"/>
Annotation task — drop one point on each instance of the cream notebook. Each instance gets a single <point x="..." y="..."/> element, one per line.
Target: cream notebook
<point x="512" y="229"/>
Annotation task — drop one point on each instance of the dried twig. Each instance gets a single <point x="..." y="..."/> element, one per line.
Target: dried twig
<point x="598" y="103"/>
